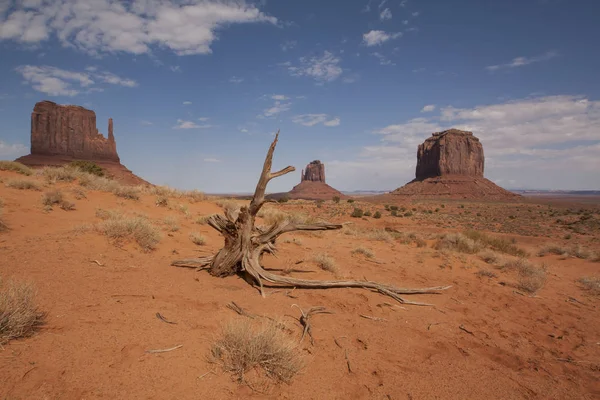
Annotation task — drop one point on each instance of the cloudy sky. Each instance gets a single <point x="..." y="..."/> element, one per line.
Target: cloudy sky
<point x="197" y="87"/>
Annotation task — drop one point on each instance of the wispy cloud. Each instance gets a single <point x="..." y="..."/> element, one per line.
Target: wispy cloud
<point x="323" y="68"/>
<point x="383" y="60"/>
<point x="10" y="151"/>
<point x="182" y="124"/>
<point x="276" y="109"/>
<point x="376" y="38"/>
<point x="107" y="26"/>
<point x="59" y="82"/>
<point x="212" y="160"/>
<point x="522" y="61"/>
<point x="428" y="108"/>
<point x="314" y="119"/>
<point x="236" y="79"/>
<point x="279" y="97"/>
<point x="288" y="45"/>
<point x="385" y="15"/>
<point x="416" y="14"/>
<point x="146" y="123"/>
<point x="187" y="103"/>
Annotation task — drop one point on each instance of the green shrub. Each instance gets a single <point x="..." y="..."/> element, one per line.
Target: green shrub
<point x="367" y="214"/>
<point x="350" y="201"/>
<point x="283" y="199"/>
<point x="319" y="203"/>
<point x="394" y="213"/>
<point x="336" y="199"/>
<point x="377" y="215"/>
<point x="87" y="166"/>
<point x="394" y="208"/>
<point x="357" y="213"/>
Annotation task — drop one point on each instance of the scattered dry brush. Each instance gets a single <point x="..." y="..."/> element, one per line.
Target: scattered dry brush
<point x="19" y="313"/>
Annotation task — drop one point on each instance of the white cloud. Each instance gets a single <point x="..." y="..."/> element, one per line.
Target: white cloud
<point x="181" y="124"/>
<point x="385" y="14"/>
<point x="235" y="79"/>
<point x="382" y="3"/>
<point x="244" y="130"/>
<point x="405" y="22"/>
<point x="212" y="160"/>
<point x="279" y="97"/>
<point x="376" y="38"/>
<point x="147" y="123"/>
<point x="109" y="26"/>
<point x="332" y="122"/>
<point x="288" y="45"/>
<point x="383" y="60"/>
<point x="12" y="151"/>
<point x="428" y="108"/>
<point x="175" y="68"/>
<point x="203" y="119"/>
<point x="321" y="68"/>
<point x="403" y="3"/>
<point x="187" y="103"/>
<point x="59" y="82"/>
<point x="416" y="14"/>
<point x="522" y="61"/>
<point x="314" y="119"/>
<point x="276" y="109"/>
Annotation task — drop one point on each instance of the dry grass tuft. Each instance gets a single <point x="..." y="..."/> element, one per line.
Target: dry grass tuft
<point x="202" y="219"/>
<point x="118" y="228"/>
<point x="23" y="184"/>
<point x="19" y="314"/>
<point x="243" y="347"/>
<point x="591" y="284"/>
<point x="486" y="273"/>
<point x="197" y="238"/>
<point x="55" y="174"/>
<point x="162" y="201"/>
<point x="364" y="251"/>
<point x="496" y="243"/>
<point x="15" y="167"/>
<point x="574" y="251"/>
<point x="127" y="192"/>
<point x="552" y="249"/>
<point x="325" y="262"/>
<point x="473" y="241"/>
<point x="67" y="205"/>
<point x="78" y="193"/>
<point x="3" y="226"/>
<point x="195" y="196"/>
<point x="172" y="223"/>
<point x="531" y="277"/>
<point x="52" y="197"/>
<point x="458" y="242"/>
<point x="490" y="257"/>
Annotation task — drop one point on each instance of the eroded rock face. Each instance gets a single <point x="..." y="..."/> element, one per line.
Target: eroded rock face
<point x="314" y="172"/>
<point x="70" y="131"/>
<point x="451" y="152"/>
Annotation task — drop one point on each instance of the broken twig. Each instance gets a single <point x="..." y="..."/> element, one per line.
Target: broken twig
<point x="164" y="350"/>
<point x="163" y="319"/>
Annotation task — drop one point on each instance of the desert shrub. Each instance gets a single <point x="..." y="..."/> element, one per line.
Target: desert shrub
<point x="88" y="167"/>
<point x="420" y="242"/>
<point x="99" y="183"/>
<point x="357" y="213"/>
<point x="552" y="249"/>
<point x="230" y="206"/>
<point x="404" y="237"/>
<point x="496" y="243"/>
<point x="127" y="192"/>
<point x="320" y="203"/>
<point x="78" y="193"/>
<point x="408" y="214"/>
<point x="490" y="257"/>
<point x="364" y="251"/>
<point x="591" y="284"/>
<point x="531" y="277"/>
<point x="350" y="201"/>
<point x="63" y="174"/>
<point x="387" y="207"/>
<point x="195" y="196"/>
<point x="136" y="228"/>
<point x="325" y="262"/>
<point x="581" y="252"/>
<point x="197" y="238"/>
<point x="394" y="213"/>
<point x="171" y="223"/>
<point x="377" y="215"/>
<point x="23" y="184"/>
<point x="283" y="199"/>
<point x="202" y="219"/>
<point x="67" y="205"/>
<point x="486" y="273"/>
<point x="367" y="213"/>
<point x="108" y="214"/>
<point x="394" y="208"/>
<point x="19" y="313"/>
<point x="336" y="199"/>
<point x="379" y="235"/>
<point x="243" y="347"/>
<point x="52" y="197"/>
<point x="3" y="226"/>
<point x="15" y="167"/>
<point x="458" y="242"/>
<point x="162" y="201"/>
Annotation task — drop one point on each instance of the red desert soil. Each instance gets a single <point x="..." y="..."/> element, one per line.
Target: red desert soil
<point x="102" y="318"/>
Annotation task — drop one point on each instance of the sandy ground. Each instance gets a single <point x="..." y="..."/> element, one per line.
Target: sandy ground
<point x="102" y="318"/>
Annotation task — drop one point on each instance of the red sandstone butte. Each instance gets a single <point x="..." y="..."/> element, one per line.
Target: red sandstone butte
<point x="63" y="133"/>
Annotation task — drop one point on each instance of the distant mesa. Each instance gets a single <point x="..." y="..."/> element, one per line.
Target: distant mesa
<point x="63" y="133"/>
<point x="312" y="185"/>
<point x="450" y="165"/>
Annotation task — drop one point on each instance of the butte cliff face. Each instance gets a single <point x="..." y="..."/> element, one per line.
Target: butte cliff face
<point x="70" y="131"/>
<point x="450" y="165"/>
<point x="314" y="172"/>
<point x="61" y="134"/>
<point x="452" y="152"/>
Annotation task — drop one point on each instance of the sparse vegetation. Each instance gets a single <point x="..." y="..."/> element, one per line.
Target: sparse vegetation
<point x="367" y="213"/>
<point x="52" y="197"/>
<point x="357" y="213"/>
<point x="490" y="257"/>
<point x="19" y="313"/>
<point x="88" y="167"/>
<point x="171" y="223"/>
<point x="243" y="346"/>
<point x="202" y="219"/>
<point x="67" y="205"/>
<point x="377" y="215"/>
<point x="531" y="277"/>
<point x="197" y="238"/>
<point x="119" y="227"/>
<point x="325" y="262"/>
<point x="577" y="251"/>
<point x="591" y="284"/>
<point x="336" y="199"/>
<point x="23" y="184"/>
<point x="283" y="199"/>
<point x="364" y="251"/>
<point x="486" y="273"/>
<point x="458" y="242"/>
<point x="350" y="201"/>
<point x="15" y="167"/>
<point x="127" y="192"/>
<point x="420" y="242"/>
<point x="78" y="193"/>
<point x="162" y="201"/>
<point x="56" y="174"/>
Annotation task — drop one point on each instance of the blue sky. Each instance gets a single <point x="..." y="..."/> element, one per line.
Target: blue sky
<point x="196" y="88"/>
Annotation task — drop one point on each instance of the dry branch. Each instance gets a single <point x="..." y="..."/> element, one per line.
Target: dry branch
<point x="245" y="244"/>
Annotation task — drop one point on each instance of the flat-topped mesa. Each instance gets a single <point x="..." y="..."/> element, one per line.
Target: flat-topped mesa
<point x="451" y="152"/>
<point x="68" y="130"/>
<point x="314" y="172"/>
